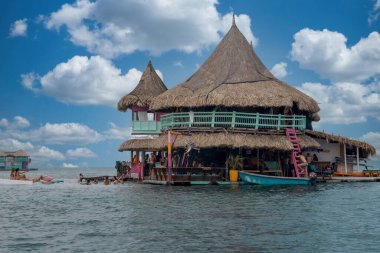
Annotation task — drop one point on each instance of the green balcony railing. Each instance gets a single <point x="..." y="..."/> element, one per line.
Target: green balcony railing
<point x="146" y="127"/>
<point x="232" y="120"/>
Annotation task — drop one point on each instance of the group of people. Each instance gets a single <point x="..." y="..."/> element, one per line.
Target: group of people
<point x="16" y="174"/>
<point x="106" y="180"/>
<point x="303" y="165"/>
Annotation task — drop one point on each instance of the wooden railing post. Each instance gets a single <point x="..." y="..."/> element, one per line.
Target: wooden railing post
<point x="213" y="119"/>
<point x="278" y="121"/>
<point x="257" y="120"/>
<point x="233" y="119"/>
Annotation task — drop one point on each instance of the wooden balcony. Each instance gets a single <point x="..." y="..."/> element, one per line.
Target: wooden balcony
<point x="254" y="121"/>
<point x="146" y="127"/>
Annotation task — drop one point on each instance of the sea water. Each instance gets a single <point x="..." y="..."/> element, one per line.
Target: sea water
<point x="133" y="217"/>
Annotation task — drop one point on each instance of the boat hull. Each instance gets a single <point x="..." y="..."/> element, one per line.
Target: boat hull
<point x="252" y="178"/>
<point x="13" y="182"/>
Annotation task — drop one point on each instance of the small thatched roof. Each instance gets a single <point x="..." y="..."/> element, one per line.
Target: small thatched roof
<point x="13" y="153"/>
<point x="220" y="140"/>
<point x="343" y="140"/>
<point x="233" y="76"/>
<point x="149" y="87"/>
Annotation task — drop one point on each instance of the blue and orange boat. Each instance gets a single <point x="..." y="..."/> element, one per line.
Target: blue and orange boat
<point x="253" y="178"/>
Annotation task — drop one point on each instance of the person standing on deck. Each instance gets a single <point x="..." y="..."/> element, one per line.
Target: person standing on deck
<point x="303" y="165"/>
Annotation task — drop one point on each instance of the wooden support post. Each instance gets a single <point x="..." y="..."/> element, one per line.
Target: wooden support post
<point x="345" y="157"/>
<point x="169" y="156"/>
<point x="278" y="121"/>
<point x="257" y="120"/>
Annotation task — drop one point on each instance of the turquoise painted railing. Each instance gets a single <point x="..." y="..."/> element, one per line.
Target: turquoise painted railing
<point x="146" y="127"/>
<point x="232" y="120"/>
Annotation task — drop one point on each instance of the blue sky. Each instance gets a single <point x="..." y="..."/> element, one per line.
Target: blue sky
<point x="65" y="65"/>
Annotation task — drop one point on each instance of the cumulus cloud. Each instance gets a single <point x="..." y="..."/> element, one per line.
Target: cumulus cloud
<point x="44" y="152"/>
<point x="62" y="134"/>
<point x="85" y="81"/>
<point x="13" y="145"/>
<point x="29" y="80"/>
<point x="326" y="53"/>
<point x="114" y="27"/>
<point x="279" y="70"/>
<point x="117" y="133"/>
<point x="79" y="153"/>
<point x="345" y="103"/>
<point x="69" y="165"/>
<point x="19" y="28"/>
<point x="18" y="122"/>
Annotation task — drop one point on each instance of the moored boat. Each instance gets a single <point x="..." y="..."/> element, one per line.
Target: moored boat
<point x="253" y="178"/>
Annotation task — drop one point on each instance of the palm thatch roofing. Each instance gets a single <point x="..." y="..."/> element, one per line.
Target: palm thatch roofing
<point x="343" y="140"/>
<point x="13" y="153"/>
<point x="149" y="87"/>
<point x="233" y="76"/>
<point x="220" y="140"/>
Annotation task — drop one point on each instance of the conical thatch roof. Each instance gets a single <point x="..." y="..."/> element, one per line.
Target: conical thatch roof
<point x="149" y="87"/>
<point x="233" y="76"/>
<point x="220" y="140"/>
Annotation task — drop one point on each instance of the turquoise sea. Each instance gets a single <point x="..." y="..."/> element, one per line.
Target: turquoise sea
<point x="133" y="217"/>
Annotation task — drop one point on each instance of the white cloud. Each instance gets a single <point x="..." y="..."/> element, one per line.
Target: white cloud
<point x="375" y="13"/>
<point x="117" y="133"/>
<point x="345" y="103"/>
<point x="279" y="70"/>
<point x="10" y="144"/>
<point x="18" y="28"/>
<point x="44" y="152"/>
<point x="28" y="80"/>
<point x="178" y="64"/>
<point x="18" y="122"/>
<point x="85" y="81"/>
<point x="80" y="153"/>
<point x="114" y="27"/>
<point x="326" y="53"/>
<point x="21" y="122"/>
<point x="62" y="134"/>
<point x="4" y="123"/>
<point x="69" y="165"/>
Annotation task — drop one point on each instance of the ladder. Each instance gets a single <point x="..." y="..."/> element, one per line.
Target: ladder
<point x="292" y="136"/>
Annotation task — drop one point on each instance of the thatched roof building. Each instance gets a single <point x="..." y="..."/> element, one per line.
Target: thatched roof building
<point x="233" y="76"/>
<point x="149" y="87"/>
<point x="342" y="140"/>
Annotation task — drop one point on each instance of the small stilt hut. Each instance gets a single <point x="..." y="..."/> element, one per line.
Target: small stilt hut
<point x="146" y="123"/>
<point x="233" y="106"/>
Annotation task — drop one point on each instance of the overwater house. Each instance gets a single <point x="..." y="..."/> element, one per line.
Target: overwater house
<point x="231" y="106"/>
<point x="14" y="160"/>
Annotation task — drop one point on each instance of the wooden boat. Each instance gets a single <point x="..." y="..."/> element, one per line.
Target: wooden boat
<point x="253" y="178"/>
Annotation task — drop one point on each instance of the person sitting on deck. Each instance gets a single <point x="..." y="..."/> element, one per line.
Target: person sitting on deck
<point x="315" y="158"/>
